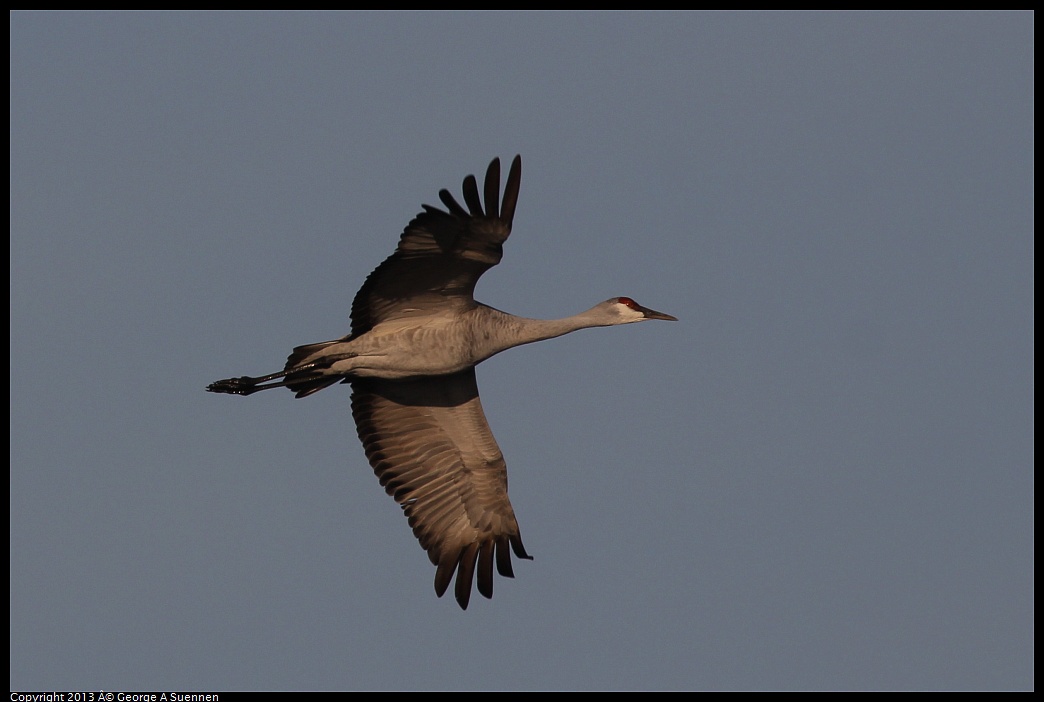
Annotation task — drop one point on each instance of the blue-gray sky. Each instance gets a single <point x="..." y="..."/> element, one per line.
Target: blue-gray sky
<point x="821" y="477"/>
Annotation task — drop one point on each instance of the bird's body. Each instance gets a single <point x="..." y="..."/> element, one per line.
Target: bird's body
<point x="417" y="335"/>
<point x="434" y="345"/>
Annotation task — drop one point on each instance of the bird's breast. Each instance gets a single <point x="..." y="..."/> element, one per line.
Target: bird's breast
<point x="395" y="351"/>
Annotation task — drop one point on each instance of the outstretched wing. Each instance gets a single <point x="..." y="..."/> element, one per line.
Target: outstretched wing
<point x="431" y="447"/>
<point x="441" y="253"/>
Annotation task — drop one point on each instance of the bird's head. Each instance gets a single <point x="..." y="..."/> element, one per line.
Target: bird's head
<point x="624" y="310"/>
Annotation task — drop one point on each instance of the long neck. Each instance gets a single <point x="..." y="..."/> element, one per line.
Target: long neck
<point x="496" y="331"/>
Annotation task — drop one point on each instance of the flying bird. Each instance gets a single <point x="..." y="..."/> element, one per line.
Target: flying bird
<point x="417" y="335"/>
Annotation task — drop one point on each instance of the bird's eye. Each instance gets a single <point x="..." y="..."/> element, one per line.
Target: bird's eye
<point x="627" y="301"/>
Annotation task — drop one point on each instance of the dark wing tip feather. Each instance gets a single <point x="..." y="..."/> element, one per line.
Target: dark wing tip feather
<point x="444" y="575"/>
<point x="492" y="188"/>
<point x="514" y="181"/>
<point x="518" y="548"/>
<point x="471" y="196"/>
<point x="490" y="191"/>
<point x="465" y="575"/>
<point x="474" y="564"/>
<point x="485" y="570"/>
<point x="451" y="204"/>
<point x="504" y="558"/>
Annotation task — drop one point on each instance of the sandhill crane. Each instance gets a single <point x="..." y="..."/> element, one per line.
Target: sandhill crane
<point x="417" y="335"/>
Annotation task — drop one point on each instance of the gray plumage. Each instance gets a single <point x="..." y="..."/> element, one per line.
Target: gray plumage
<point x="417" y="334"/>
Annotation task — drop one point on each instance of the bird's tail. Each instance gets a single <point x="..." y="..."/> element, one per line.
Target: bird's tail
<point x="301" y="375"/>
<point x="304" y="377"/>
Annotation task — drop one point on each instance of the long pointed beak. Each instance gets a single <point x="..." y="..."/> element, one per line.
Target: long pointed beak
<point x="653" y="314"/>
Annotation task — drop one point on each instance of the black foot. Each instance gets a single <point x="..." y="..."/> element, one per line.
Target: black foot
<point x="235" y="386"/>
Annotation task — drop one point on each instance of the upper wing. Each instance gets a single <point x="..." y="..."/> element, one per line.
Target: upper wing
<point x="441" y="254"/>
<point x="429" y="444"/>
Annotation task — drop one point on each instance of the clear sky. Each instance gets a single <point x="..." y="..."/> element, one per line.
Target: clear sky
<point x="821" y="477"/>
